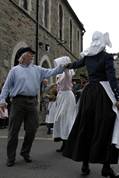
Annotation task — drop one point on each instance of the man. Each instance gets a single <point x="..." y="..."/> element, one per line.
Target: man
<point x="23" y="84"/>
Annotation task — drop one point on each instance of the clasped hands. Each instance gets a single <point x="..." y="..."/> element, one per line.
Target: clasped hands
<point x="67" y="66"/>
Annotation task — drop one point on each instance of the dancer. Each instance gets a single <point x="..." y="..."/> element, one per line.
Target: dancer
<point x="94" y="137"/>
<point x="65" y="111"/>
<point x="51" y="95"/>
<point x="23" y="84"/>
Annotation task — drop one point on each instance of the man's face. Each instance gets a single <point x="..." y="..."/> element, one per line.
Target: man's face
<point x="27" y="58"/>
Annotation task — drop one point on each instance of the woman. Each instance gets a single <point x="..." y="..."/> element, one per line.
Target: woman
<point x="65" y="111"/>
<point x="91" y="138"/>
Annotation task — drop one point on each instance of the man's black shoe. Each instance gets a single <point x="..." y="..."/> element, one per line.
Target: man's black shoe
<point x="10" y="163"/>
<point x="26" y="158"/>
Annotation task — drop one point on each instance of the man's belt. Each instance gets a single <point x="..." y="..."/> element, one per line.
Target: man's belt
<point x="24" y="96"/>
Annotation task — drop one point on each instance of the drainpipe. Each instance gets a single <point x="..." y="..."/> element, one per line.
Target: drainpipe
<point x="37" y="29"/>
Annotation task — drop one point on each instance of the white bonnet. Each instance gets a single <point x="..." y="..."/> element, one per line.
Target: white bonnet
<point x="99" y="42"/>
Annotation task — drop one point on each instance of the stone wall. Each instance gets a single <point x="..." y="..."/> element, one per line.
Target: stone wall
<point x="18" y="28"/>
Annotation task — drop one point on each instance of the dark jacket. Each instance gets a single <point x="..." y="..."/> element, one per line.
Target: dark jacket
<point x="100" y="68"/>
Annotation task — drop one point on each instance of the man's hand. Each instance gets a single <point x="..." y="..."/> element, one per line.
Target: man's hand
<point x="2" y="108"/>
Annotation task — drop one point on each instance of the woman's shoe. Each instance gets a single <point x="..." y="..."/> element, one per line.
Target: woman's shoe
<point x="62" y="147"/>
<point x="108" y="172"/>
<point x="85" y="170"/>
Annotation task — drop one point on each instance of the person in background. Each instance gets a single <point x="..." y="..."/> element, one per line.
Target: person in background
<point x="76" y="89"/>
<point x="94" y="137"/>
<point x="23" y="85"/>
<point x="44" y="100"/>
<point x="51" y="95"/>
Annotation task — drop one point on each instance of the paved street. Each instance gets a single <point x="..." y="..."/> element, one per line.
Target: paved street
<point x="47" y="163"/>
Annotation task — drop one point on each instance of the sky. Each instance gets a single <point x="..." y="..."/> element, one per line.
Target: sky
<point x="98" y="15"/>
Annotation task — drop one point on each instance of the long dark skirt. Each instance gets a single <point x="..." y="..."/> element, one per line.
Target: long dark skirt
<point x="91" y="135"/>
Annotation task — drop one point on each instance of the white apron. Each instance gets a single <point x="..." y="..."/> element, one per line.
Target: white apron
<point x="115" y="137"/>
<point x="65" y="114"/>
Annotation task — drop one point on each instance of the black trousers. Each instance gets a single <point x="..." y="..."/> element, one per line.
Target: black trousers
<point x="23" y="110"/>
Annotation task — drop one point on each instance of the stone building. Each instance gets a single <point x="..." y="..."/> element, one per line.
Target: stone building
<point x="51" y="27"/>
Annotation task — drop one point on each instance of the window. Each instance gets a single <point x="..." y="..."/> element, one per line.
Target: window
<point x="60" y="23"/>
<point x="70" y="35"/>
<point x="78" y="40"/>
<point x="25" y="4"/>
<point x="45" y="64"/>
<point x="46" y="14"/>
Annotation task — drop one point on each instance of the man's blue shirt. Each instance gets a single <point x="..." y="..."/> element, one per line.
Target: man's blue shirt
<point x="26" y="80"/>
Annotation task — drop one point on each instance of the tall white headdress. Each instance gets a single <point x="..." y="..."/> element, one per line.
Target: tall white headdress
<point x="98" y="44"/>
